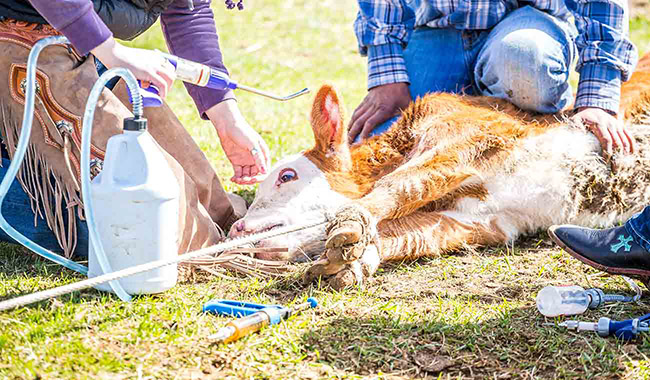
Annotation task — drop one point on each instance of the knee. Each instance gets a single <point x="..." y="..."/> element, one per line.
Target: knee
<point x="531" y="70"/>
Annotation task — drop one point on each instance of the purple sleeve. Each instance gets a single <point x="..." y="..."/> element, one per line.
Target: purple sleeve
<point x="77" y="20"/>
<point x="192" y="35"/>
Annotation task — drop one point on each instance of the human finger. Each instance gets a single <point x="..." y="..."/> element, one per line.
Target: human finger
<point x="267" y="158"/>
<point x="238" y="172"/>
<point x="359" y="111"/>
<point x="616" y="138"/>
<point x="603" y="137"/>
<point x="606" y="140"/>
<point x="258" y="157"/>
<point x="166" y="72"/>
<point x="625" y="141"/>
<point x="254" y="170"/>
<point x="374" y="120"/>
<point x="627" y="135"/>
<point x="246" y="171"/>
<point x="159" y="82"/>
<point x="358" y="124"/>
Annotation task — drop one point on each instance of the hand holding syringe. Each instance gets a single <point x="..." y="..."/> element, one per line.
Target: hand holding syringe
<point x="204" y="76"/>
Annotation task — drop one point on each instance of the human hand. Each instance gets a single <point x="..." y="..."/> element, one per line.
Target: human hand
<point x="609" y="130"/>
<point x="381" y="103"/>
<point x="244" y="147"/>
<point x="146" y="65"/>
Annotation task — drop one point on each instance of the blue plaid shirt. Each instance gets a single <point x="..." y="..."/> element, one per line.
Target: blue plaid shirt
<point x="607" y="56"/>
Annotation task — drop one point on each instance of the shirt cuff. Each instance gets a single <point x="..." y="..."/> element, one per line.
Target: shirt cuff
<point x="599" y="87"/>
<point x="205" y="98"/>
<point x="386" y="65"/>
<point x="87" y="32"/>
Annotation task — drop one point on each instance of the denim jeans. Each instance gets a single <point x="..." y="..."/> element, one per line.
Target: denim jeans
<point x="17" y="210"/>
<point x="525" y="59"/>
<point x="639" y="227"/>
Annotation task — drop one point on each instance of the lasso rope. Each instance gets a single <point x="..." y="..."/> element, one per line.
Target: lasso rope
<point x="221" y="247"/>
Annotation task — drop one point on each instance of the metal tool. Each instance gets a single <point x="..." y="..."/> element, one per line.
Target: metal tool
<point x="626" y="330"/>
<point x="251" y="316"/>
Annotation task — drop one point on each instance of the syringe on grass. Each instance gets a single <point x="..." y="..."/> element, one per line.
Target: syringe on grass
<point x="253" y="317"/>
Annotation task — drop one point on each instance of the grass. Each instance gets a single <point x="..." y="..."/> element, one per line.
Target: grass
<point x="469" y="315"/>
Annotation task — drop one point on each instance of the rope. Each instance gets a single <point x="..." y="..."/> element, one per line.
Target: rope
<point x="221" y="247"/>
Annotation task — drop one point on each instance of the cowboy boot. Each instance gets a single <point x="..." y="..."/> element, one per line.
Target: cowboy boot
<point x="612" y="250"/>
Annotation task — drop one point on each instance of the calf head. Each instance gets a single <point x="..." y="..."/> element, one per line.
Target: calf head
<point x="298" y="190"/>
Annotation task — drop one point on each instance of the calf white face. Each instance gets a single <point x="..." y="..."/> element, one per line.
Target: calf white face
<point x="296" y="192"/>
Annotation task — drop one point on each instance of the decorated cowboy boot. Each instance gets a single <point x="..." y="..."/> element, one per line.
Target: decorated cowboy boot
<point x="611" y="250"/>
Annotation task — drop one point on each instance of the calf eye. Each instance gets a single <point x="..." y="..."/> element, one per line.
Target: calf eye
<point x="287" y="175"/>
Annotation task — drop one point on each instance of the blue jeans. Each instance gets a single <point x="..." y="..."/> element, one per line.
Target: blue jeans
<point x="17" y="210"/>
<point x="639" y="227"/>
<point x="525" y="59"/>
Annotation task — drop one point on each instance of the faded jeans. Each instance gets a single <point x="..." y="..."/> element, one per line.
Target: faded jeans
<point x="525" y="59"/>
<point x="639" y="227"/>
<point x="17" y="210"/>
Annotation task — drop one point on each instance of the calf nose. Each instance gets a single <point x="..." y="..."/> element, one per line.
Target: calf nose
<point x="238" y="228"/>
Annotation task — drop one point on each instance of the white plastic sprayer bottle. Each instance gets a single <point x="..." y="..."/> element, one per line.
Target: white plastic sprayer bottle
<point x="136" y="203"/>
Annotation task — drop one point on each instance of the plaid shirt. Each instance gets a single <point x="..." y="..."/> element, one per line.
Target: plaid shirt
<point x="607" y="56"/>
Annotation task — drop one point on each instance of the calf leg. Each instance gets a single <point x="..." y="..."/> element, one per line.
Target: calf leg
<point x="410" y="187"/>
<point x="407" y="238"/>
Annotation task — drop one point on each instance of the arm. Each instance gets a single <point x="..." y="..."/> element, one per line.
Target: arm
<point x="192" y="35"/>
<point x="77" y="20"/>
<point x="383" y="28"/>
<point x="607" y="58"/>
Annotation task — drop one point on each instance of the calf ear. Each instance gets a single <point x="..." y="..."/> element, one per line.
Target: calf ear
<point x="327" y="120"/>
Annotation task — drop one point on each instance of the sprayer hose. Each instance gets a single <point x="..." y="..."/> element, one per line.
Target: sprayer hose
<point x="225" y="246"/>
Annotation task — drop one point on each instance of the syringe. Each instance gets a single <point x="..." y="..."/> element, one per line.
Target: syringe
<point x="204" y="76"/>
<point x="254" y="319"/>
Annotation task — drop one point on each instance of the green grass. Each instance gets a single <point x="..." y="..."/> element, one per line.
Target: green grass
<point x="468" y="315"/>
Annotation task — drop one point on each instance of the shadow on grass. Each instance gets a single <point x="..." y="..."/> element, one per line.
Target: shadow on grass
<point x="508" y="346"/>
<point x="23" y="272"/>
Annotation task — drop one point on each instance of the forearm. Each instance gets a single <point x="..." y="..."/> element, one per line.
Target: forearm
<point x="607" y="55"/>
<point x="224" y="115"/>
<point x="77" y="20"/>
<point x="192" y="35"/>
<point x="383" y="28"/>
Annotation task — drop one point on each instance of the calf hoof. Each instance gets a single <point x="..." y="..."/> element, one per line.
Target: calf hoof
<point x="339" y="274"/>
<point x="351" y="230"/>
<point x="348" y="232"/>
<point x="346" y="278"/>
<point x="322" y="268"/>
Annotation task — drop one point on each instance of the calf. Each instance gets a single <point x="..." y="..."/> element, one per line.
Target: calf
<point x="454" y="171"/>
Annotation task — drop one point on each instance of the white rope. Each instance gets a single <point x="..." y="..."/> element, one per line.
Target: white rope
<point x="221" y="247"/>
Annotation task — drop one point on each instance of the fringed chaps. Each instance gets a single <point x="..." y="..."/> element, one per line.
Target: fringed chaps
<point x="50" y="173"/>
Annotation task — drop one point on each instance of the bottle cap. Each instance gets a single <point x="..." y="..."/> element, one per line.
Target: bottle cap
<point x="596" y="297"/>
<point x="133" y="124"/>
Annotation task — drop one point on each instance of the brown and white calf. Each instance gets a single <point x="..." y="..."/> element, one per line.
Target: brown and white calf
<point x="454" y="171"/>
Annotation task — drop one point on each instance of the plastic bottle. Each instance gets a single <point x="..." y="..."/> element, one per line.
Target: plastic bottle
<point x="136" y="202"/>
<point x="553" y="301"/>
